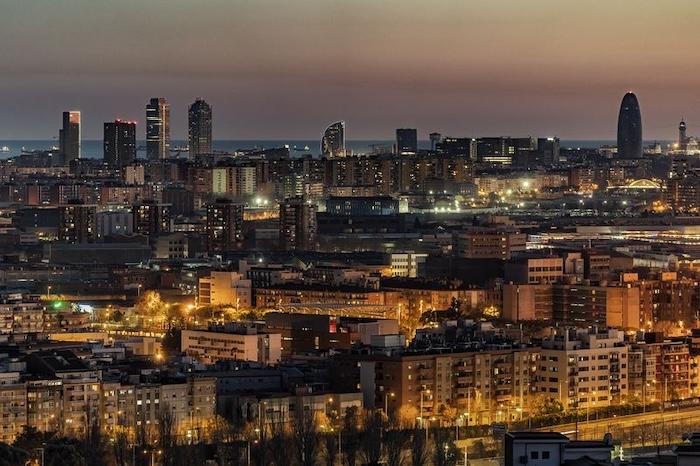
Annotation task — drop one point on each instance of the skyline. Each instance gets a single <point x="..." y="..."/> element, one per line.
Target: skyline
<point x="271" y="77"/>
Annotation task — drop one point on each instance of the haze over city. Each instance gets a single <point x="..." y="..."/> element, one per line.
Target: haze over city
<point x="274" y="69"/>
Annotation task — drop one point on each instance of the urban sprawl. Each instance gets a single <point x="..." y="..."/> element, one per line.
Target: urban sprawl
<point x="486" y="300"/>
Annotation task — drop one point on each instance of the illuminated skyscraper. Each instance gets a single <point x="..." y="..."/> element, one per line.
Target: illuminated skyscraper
<point x="119" y="143"/>
<point x="69" y="135"/>
<point x="158" y="129"/>
<point x="406" y="141"/>
<point x="629" y="128"/>
<point x="199" y="128"/>
<point x="333" y="141"/>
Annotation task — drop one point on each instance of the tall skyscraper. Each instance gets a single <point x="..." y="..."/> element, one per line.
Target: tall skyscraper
<point x="434" y="140"/>
<point x="224" y="226"/>
<point x="629" y="128"/>
<point x="298" y="225"/>
<point x="333" y="141"/>
<point x="682" y="138"/>
<point x="69" y="135"/>
<point x="199" y="128"/>
<point x="406" y="141"/>
<point x="158" y="129"/>
<point x="119" y="143"/>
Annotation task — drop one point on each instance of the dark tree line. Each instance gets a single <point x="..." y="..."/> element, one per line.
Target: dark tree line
<point x="355" y="438"/>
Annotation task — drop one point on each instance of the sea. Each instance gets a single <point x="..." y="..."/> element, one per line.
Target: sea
<point x="93" y="148"/>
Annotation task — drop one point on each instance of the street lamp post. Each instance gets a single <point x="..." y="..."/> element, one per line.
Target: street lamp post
<point x="386" y="402"/>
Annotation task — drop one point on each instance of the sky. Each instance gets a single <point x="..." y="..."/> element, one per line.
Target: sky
<point x="275" y="69"/>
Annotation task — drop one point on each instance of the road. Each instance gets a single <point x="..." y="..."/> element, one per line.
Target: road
<point x="595" y="429"/>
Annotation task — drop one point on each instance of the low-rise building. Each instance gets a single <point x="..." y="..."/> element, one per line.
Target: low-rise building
<point x="232" y="344"/>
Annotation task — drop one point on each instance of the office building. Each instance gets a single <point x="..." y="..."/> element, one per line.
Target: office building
<point x="199" y="119"/>
<point x="629" y="128"/>
<point x="298" y="225"/>
<point x="119" y="143"/>
<point x="406" y="141"/>
<point x="158" y="129"/>
<point x="224" y="226"/>
<point x="333" y="141"/>
<point x="70" y="136"/>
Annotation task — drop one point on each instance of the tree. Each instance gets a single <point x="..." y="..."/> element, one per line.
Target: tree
<point x="350" y="435"/>
<point x="121" y="448"/>
<point x="11" y="456"/>
<point x="93" y="447"/>
<point x="407" y="416"/>
<point x="305" y="438"/>
<point x="171" y="342"/>
<point x="330" y="448"/>
<point x="166" y="433"/>
<point x="419" y="448"/>
<point x="31" y="438"/>
<point x="479" y="449"/>
<point x="445" y="450"/>
<point x="278" y="445"/>
<point x="117" y="316"/>
<point x="543" y="405"/>
<point x="371" y="438"/>
<point x="394" y="445"/>
<point x="63" y="452"/>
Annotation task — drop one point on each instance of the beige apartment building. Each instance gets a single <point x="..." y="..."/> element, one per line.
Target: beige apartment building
<point x="481" y="386"/>
<point x="584" y="368"/>
<point x="225" y="289"/>
<point x="246" y="344"/>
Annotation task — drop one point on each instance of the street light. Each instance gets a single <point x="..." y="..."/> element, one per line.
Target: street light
<point x="386" y="402"/>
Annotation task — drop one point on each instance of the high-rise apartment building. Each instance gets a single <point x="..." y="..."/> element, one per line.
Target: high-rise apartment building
<point x="151" y="218"/>
<point x="76" y="223"/>
<point x="298" y="225"/>
<point x="199" y="122"/>
<point x="119" y="143"/>
<point x="406" y="141"/>
<point x="224" y="226"/>
<point x="158" y="129"/>
<point x="584" y="368"/>
<point x="69" y="136"/>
